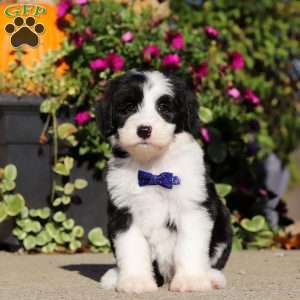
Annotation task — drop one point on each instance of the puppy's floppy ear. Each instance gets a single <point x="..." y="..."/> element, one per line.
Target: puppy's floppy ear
<point x="192" y="121"/>
<point x="104" y="110"/>
<point x="188" y="105"/>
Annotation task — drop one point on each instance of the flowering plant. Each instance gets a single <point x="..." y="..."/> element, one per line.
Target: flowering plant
<point x="242" y="76"/>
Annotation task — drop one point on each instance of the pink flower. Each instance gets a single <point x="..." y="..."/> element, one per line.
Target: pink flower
<point x="115" y="61"/>
<point x="82" y="2"/>
<point x="62" y="8"/>
<point x="211" y="31"/>
<point x="201" y="71"/>
<point x="83" y="117"/>
<point x="150" y="52"/>
<point x="171" y="61"/>
<point x="223" y="69"/>
<point x="127" y="37"/>
<point x="78" y="40"/>
<point x="233" y="92"/>
<point x="250" y="97"/>
<point x="175" y="39"/>
<point x="88" y="32"/>
<point x="205" y="134"/>
<point x="237" y="61"/>
<point x="98" y="64"/>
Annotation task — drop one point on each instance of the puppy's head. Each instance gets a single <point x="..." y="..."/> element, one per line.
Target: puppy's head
<point x="143" y="111"/>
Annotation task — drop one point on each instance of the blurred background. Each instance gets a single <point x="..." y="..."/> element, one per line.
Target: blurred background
<point x="241" y="60"/>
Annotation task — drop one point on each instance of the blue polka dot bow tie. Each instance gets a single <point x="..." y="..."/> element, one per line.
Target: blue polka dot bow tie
<point x="165" y="179"/>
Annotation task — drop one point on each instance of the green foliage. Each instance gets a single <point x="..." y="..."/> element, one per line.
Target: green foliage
<point x="98" y="241"/>
<point x="11" y="204"/>
<point x="252" y="233"/>
<point x="205" y="114"/>
<point x="223" y="190"/>
<point x="46" y="231"/>
<point x="41" y="79"/>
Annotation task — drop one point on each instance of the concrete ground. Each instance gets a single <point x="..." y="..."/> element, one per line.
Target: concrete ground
<point x="259" y="275"/>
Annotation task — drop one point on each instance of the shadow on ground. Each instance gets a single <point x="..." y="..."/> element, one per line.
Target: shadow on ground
<point x="91" y="271"/>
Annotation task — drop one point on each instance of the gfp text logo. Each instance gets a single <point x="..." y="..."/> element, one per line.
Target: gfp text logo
<point x="24" y="29"/>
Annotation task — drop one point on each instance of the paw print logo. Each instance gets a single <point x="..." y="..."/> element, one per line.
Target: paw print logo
<point x="24" y="32"/>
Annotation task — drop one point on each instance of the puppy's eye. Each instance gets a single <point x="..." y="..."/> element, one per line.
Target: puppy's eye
<point x="164" y="104"/>
<point x="127" y="107"/>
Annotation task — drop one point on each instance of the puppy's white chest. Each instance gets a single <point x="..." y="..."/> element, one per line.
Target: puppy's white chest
<point x="153" y="206"/>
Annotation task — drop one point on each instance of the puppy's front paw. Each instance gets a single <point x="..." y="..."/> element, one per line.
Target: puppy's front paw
<point x="189" y="283"/>
<point x="213" y="279"/>
<point x="136" y="285"/>
<point x="217" y="279"/>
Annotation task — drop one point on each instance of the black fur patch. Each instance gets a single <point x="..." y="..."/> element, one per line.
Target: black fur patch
<point x="119" y="220"/>
<point x="222" y="231"/>
<point x="171" y="226"/>
<point x="122" y="92"/>
<point x="158" y="277"/>
<point x="186" y="107"/>
<point x="119" y="152"/>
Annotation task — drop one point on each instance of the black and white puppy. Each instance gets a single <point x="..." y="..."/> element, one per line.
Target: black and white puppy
<point x="166" y="222"/>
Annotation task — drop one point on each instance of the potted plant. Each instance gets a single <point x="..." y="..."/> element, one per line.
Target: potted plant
<point x="28" y="76"/>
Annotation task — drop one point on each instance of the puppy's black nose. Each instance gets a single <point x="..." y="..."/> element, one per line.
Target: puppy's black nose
<point x="144" y="131"/>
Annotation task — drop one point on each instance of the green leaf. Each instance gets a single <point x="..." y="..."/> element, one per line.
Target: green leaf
<point x="43" y="238"/>
<point x="36" y="226"/>
<point x="59" y="188"/>
<point x="57" y="201"/>
<point x="33" y="212"/>
<point x="49" y="248"/>
<point x="51" y="229"/>
<point x="68" y="188"/>
<point x="29" y="226"/>
<point x="74" y="245"/>
<point x="24" y="213"/>
<point x="205" y="114"/>
<point x="59" y="217"/>
<point x="223" y="189"/>
<point x="69" y="163"/>
<point x="69" y="224"/>
<point x="3" y="213"/>
<point x="45" y="106"/>
<point x="44" y="213"/>
<point x="72" y="140"/>
<point x="104" y="249"/>
<point x="78" y="231"/>
<point x="49" y="106"/>
<point x="256" y="224"/>
<point x="61" y="169"/>
<point x="260" y="243"/>
<point x="15" y="204"/>
<point x="8" y="185"/>
<point x="265" y="234"/>
<point x="97" y="238"/>
<point x="23" y="222"/>
<point x="58" y="239"/>
<point x="19" y="233"/>
<point x="10" y="172"/>
<point x="65" y="200"/>
<point x="29" y="242"/>
<point x="80" y="184"/>
<point x="237" y="244"/>
<point x="66" y="237"/>
<point x="65" y="130"/>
